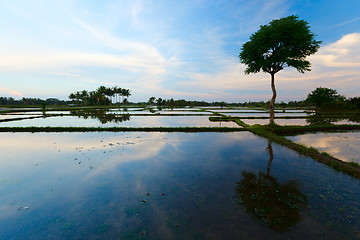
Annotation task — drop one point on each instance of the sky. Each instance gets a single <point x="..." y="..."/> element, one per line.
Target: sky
<point x="168" y="48"/>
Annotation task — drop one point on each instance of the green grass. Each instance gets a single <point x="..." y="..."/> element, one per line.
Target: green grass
<point x="354" y="164"/>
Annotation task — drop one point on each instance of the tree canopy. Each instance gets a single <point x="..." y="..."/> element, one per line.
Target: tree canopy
<point x="284" y="42"/>
<point x="324" y="97"/>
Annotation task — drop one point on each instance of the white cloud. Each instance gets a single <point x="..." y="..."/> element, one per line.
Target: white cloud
<point x="59" y="59"/>
<point x="10" y="92"/>
<point x="343" y="53"/>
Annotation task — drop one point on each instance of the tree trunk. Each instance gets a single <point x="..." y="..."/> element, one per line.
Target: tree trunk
<point x="271" y="157"/>
<point x="272" y="102"/>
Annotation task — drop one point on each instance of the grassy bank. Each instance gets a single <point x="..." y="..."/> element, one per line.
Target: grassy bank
<point x="294" y="130"/>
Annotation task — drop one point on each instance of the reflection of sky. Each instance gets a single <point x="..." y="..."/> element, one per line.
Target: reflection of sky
<point x="291" y="121"/>
<point x="236" y="110"/>
<point x="279" y="121"/>
<point x="76" y="184"/>
<point x="343" y="145"/>
<point x="135" y="121"/>
<point x="185" y="112"/>
<point x="265" y="114"/>
<point x="8" y="116"/>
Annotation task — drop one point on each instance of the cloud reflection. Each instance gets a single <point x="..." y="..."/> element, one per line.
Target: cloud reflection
<point x="345" y="145"/>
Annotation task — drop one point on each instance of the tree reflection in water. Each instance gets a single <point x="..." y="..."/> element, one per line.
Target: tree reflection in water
<point x="321" y="118"/>
<point x="102" y="115"/>
<point x="276" y="205"/>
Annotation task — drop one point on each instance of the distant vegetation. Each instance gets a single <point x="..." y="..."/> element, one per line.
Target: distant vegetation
<point x="327" y="98"/>
<point x="101" y="96"/>
<point x="10" y="101"/>
<point x="320" y="99"/>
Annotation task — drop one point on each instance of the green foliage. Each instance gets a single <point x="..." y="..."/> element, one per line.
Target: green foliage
<point x="284" y="42"/>
<point x="354" y="103"/>
<point x="151" y="100"/>
<point x="102" y="96"/>
<point x="354" y="164"/>
<point x="325" y="98"/>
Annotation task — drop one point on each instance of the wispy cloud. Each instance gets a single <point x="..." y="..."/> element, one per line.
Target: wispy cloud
<point x="346" y="23"/>
<point x="10" y="92"/>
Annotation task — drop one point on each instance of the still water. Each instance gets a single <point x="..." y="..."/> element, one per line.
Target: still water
<point x="342" y="145"/>
<point x="119" y="121"/>
<point x="169" y="186"/>
<point x="297" y="121"/>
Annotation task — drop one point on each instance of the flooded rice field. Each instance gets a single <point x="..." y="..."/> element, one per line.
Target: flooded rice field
<point x="177" y="117"/>
<point x="169" y="186"/>
<point x="151" y="185"/>
<point x="17" y="116"/>
<point x="342" y="145"/>
<point x="264" y="114"/>
<point x="297" y="121"/>
<point x="119" y="121"/>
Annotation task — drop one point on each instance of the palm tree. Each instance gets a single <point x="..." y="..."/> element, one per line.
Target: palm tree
<point x="119" y="92"/>
<point x="125" y="93"/>
<point x="99" y="97"/>
<point x="114" y="93"/>
<point x="77" y="96"/>
<point x="109" y="93"/>
<point x="101" y="89"/>
<point x="92" y="99"/>
<point x="71" y="96"/>
<point x="84" y="96"/>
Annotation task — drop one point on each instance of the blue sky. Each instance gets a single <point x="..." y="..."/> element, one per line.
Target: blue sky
<point x="169" y="49"/>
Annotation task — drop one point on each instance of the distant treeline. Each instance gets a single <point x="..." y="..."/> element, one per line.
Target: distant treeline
<point x="320" y="98"/>
<point x="182" y="102"/>
<point x="32" y="101"/>
<point x="162" y="103"/>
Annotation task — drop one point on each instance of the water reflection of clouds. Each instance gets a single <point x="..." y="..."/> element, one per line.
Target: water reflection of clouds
<point x="279" y="121"/>
<point x="344" y="145"/>
<point x="135" y="149"/>
<point x="197" y="172"/>
<point x="135" y="121"/>
<point x="45" y="162"/>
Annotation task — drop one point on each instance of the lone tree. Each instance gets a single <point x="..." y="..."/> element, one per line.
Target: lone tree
<point x="284" y="42"/>
<point x="324" y="98"/>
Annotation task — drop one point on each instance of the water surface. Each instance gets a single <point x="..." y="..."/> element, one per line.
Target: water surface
<point x="110" y="121"/>
<point x="342" y="145"/>
<point x="166" y="186"/>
